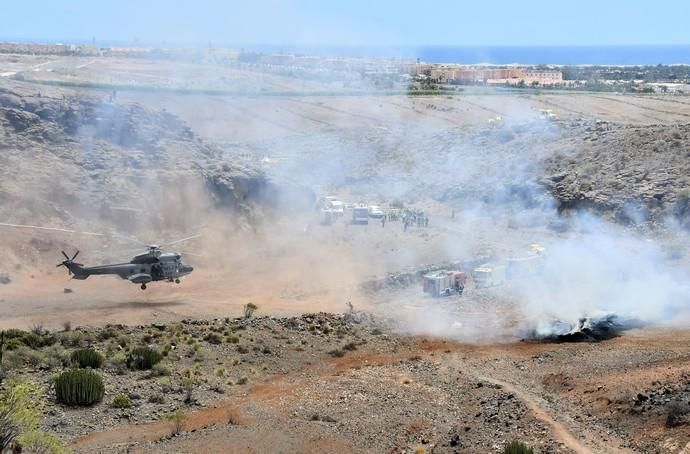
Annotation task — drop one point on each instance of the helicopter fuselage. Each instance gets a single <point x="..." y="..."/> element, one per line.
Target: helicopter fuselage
<point x="150" y="266"/>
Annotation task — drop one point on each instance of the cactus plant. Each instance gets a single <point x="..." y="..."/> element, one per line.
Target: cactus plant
<point x="87" y="357"/>
<point x="79" y="387"/>
<point x="143" y="358"/>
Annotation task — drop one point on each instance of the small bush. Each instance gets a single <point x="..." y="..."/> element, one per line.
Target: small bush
<point x="13" y="344"/>
<point x="165" y="384"/>
<point x="352" y="346"/>
<point x="232" y="339"/>
<point x="160" y="370"/>
<point x="37" y="329"/>
<point x="57" y="356"/>
<point x="517" y="447"/>
<point x="177" y="419"/>
<point x="249" y="309"/>
<point x="15" y="338"/>
<point x="72" y="338"/>
<point x="24" y="356"/>
<point x="188" y="386"/>
<point x="337" y="353"/>
<point x="33" y="340"/>
<point x="242" y="380"/>
<point x="107" y="333"/>
<point x="156" y="399"/>
<point x="118" y="361"/>
<point x="121" y="401"/>
<point x="213" y="338"/>
<point x="143" y="358"/>
<point x="123" y="342"/>
<point x="87" y="357"/>
<point x="41" y="442"/>
<point x="79" y="387"/>
<point x="234" y="417"/>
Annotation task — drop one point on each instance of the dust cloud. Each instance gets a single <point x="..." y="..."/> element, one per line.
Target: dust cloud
<point x="244" y="172"/>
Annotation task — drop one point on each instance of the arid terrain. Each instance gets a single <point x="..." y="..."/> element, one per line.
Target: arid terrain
<point x="345" y="352"/>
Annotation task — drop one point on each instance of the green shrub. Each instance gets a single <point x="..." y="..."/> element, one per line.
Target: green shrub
<point x="121" y="401"/>
<point x="33" y="340"/>
<point x="143" y="358"/>
<point x="79" y="387"/>
<point x="517" y="447"/>
<point x="249" y="309"/>
<point x="188" y="386"/>
<point x="24" y="356"/>
<point x="13" y="344"/>
<point x="21" y="407"/>
<point x="15" y="338"/>
<point x="118" y="362"/>
<point x="13" y="333"/>
<point x="177" y="419"/>
<point x="107" y="333"/>
<point x="72" y="338"/>
<point x="160" y="370"/>
<point x="87" y="357"/>
<point x="57" y="357"/>
<point x="41" y="442"/>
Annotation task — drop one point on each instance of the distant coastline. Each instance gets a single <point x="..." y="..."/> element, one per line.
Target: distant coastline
<point x="618" y="55"/>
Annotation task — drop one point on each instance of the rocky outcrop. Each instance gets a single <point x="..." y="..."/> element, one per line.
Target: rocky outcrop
<point x="634" y="174"/>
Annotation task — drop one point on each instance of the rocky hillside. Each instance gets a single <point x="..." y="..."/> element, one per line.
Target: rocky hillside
<point x="635" y="174"/>
<point x="68" y="158"/>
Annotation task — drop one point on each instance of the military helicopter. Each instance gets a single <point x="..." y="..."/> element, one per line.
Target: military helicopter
<point x="150" y="266"/>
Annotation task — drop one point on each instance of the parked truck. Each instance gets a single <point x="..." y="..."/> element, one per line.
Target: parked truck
<point x="360" y="215"/>
<point x="444" y="283"/>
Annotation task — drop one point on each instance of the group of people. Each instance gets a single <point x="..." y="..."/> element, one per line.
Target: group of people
<point x="411" y="218"/>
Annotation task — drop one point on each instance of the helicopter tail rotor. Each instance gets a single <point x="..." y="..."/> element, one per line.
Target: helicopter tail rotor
<point x="69" y="263"/>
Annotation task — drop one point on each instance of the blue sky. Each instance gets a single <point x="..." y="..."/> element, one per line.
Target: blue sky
<point x="351" y="22"/>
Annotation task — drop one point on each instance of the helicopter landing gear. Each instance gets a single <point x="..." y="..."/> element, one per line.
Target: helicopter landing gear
<point x="143" y="286"/>
<point x="177" y="281"/>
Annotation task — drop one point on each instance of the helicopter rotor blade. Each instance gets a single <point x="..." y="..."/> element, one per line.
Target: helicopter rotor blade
<point x="66" y="256"/>
<point x="51" y="229"/>
<point x="77" y="232"/>
<point x="170" y="243"/>
<point x="191" y="254"/>
<point x="75" y="255"/>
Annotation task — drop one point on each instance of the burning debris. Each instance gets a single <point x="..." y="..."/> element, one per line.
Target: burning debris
<point x="587" y="329"/>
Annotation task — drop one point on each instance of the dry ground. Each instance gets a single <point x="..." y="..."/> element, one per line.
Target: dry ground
<point x="382" y="393"/>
